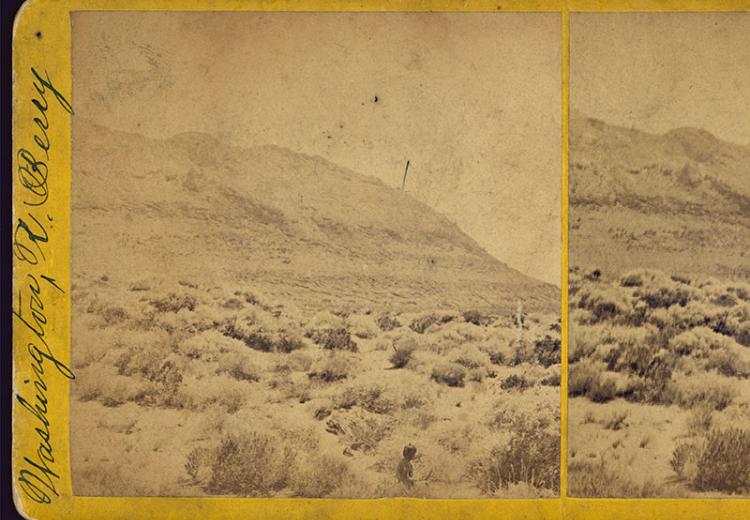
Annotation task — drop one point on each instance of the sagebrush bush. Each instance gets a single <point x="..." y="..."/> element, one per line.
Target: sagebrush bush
<point x="616" y="421"/>
<point x="255" y="339"/>
<point x="596" y="480"/>
<point x="515" y="381"/>
<point x="586" y="380"/>
<point x="365" y="435"/>
<point x="287" y="343"/>
<point x="724" y="462"/>
<point x="449" y="374"/>
<point x="238" y="366"/>
<point x="475" y="317"/>
<point x="604" y="303"/>
<point x="702" y="390"/>
<point x="198" y="461"/>
<point x="684" y="459"/>
<point x="552" y="379"/>
<point x="421" y="324"/>
<point x="334" y="339"/>
<point x="387" y="322"/>
<point x="331" y="369"/>
<point x="547" y="351"/>
<point x="532" y="456"/>
<point x="322" y="476"/>
<point x="252" y="464"/>
<point x="401" y="356"/>
<point x="665" y="296"/>
<point x="370" y="398"/>
<point x="174" y="302"/>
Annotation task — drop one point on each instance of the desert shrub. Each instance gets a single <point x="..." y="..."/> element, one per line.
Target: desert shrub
<point x="728" y="363"/>
<point x="143" y="360"/>
<point x="656" y="297"/>
<point x="477" y="318"/>
<point x="198" y="460"/>
<point x="370" y="398"/>
<point x="113" y="314"/>
<point x="698" y="342"/>
<point x="386" y="323"/>
<point x="449" y="374"/>
<point x="684" y="458"/>
<point x="473" y="317"/>
<point x="252" y="464"/>
<point x="742" y="334"/>
<point x="232" y="304"/>
<point x="586" y="379"/>
<point x="286" y="343"/>
<point x="616" y="421"/>
<point x="238" y="366"/>
<point x="703" y="390"/>
<point x="334" y="339"/>
<point x="515" y="381"/>
<point x="471" y="359"/>
<point x="365" y="435"/>
<point x="588" y="338"/>
<point x="103" y="384"/>
<point x="604" y="303"/>
<point x="421" y="324"/>
<point x="523" y="353"/>
<point x="700" y="420"/>
<point x="532" y="456"/>
<point x="632" y="279"/>
<point x="174" y="302"/>
<point x="724" y="461"/>
<point x="323" y="476"/>
<point x="139" y="285"/>
<point x="595" y="480"/>
<point x="299" y="361"/>
<point x="362" y="326"/>
<point x="553" y="379"/>
<point x="547" y="351"/>
<point x="401" y="356"/>
<point x="413" y="401"/>
<point x="497" y="357"/>
<point x="724" y="300"/>
<point x="331" y="369"/>
<point x="205" y="346"/>
<point x="255" y="339"/>
<point x="165" y="390"/>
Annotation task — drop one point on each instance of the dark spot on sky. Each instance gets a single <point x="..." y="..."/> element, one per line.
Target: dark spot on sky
<point x="38" y="35"/>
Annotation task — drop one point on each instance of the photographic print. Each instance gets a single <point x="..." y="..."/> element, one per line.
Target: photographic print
<point x="318" y="255"/>
<point x="659" y="396"/>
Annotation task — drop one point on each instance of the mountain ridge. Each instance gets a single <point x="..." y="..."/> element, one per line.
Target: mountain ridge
<point x="272" y="217"/>
<point x="678" y="200"/>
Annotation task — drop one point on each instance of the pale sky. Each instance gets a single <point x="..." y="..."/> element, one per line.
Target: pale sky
<point x="660" y="71"/>
<point x="472" y="100"/>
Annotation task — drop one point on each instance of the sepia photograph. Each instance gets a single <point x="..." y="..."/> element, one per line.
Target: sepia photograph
<point x="319" y="255"/>
<point x="659" y="250"/>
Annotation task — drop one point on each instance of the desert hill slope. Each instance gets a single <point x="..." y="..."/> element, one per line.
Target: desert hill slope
<point x="679" y="202"/>
<point x="294" y="226"/>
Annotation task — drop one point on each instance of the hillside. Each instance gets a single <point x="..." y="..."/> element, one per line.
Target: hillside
<point x="679" y="202"/>
<point x="294" y="226"/>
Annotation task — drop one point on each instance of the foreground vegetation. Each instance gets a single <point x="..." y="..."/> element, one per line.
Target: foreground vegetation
<point x="190" y="390"/>
<point x="659" y="369"/>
